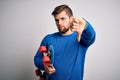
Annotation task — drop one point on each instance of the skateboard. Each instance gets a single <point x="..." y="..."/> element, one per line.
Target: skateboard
<point x="48" y="58"/>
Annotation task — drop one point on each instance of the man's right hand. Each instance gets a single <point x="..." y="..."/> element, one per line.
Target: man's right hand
<point x="49" y="69"/>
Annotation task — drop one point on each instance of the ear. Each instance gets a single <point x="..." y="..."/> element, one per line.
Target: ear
<point x="71" y="18"/>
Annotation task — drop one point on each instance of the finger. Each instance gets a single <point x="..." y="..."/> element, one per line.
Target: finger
<point x="82" y="21"/>
<point x="74" y="27"/>
<point x="75" y="24"/>
<point x="52" y="70"/>
<point x="50" y="66"/>
<point x="73" y="30"/>
<point x="77" y="20"/>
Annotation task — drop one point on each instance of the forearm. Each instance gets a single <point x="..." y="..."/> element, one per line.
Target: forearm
<point x="38" y="60"/>
<point x="88" y="35"/>
<point x="38" y="57"/>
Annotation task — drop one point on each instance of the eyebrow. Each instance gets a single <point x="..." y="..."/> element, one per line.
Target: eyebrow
<point x="60" y="18"/>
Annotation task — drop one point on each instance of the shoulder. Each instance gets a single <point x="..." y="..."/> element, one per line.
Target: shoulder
<point x="48" y="39"/>
<point x="50" y="36"/>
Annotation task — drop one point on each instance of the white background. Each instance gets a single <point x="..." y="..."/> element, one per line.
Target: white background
<point x="23" y="24"/>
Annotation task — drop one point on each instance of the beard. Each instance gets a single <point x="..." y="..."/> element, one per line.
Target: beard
<point x="63" y="31"/>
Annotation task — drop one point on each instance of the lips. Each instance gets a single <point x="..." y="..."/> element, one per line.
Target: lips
<point x="60" y="27"/>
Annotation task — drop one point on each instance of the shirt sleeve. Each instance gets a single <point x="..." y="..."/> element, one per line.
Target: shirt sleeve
<point x="38" y="56"/>
<point x="88" y="35"/>
<point x="38" y="60"/>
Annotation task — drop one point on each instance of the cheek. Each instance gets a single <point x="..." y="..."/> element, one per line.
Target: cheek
<point x="67" y="23"/>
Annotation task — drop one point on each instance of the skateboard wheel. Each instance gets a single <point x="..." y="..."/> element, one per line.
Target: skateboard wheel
<point x="41" y="79"/>
<point x="42" y="49"/>
<point x="46" y="60"/>
<point x="37" y="72"/>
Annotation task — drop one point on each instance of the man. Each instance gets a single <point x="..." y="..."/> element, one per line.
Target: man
<point x="70" y="44"/>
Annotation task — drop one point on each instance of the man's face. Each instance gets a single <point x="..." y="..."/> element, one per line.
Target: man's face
<point x="63" y="22"/>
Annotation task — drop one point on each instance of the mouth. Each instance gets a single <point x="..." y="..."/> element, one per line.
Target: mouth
<point x="60" y="27"/>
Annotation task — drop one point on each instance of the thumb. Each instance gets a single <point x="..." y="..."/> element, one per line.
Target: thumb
<point x="78" y="37"/>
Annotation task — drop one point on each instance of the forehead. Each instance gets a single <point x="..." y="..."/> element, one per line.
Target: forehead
<point x="61" y="14"/>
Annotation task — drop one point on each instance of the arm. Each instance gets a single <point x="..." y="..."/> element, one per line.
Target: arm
<point x="38" y="60"/>
<point x="88" y="35"/>
<point x="38" y="56"/>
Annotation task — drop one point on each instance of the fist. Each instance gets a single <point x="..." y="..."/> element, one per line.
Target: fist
<point x="78" y="25"/>
<point x="49" y="69"/>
